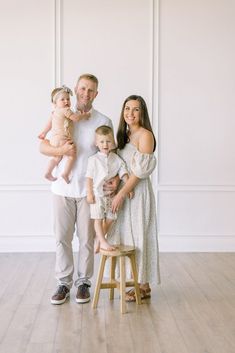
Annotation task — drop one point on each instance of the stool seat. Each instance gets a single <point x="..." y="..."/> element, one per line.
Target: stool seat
<point x="119" y="250"/>
<point x="120" y="253"/>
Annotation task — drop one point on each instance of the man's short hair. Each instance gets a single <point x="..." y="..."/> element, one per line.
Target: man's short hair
<point x="90" y="77"/>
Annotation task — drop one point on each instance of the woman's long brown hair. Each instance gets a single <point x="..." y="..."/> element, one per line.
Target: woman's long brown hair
<point x="122" y="133"/>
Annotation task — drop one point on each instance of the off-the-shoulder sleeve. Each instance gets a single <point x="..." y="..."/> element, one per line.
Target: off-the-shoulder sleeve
<point x="143" y="164"/>
<point x="122" y="169"/>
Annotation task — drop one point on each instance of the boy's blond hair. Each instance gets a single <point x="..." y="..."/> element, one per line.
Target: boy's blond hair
<point x="104" y="130"/>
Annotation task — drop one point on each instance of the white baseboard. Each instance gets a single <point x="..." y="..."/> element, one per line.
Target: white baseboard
<point x="167" y="243"/>
<point x="29" y="244"/>
<point x="200" y="243"/>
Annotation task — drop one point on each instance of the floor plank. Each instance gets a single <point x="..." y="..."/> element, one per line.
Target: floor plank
<point x="192" y="311"/>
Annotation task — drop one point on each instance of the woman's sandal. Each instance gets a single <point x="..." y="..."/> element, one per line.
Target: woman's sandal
<point x="144" y="294"/>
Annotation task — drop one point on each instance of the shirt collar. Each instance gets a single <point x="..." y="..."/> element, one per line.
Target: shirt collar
<point x="103" y="155"/>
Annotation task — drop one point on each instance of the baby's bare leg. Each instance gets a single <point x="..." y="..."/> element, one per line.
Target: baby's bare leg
<point x="52" y="164"/>
<point x="68" y="168"/>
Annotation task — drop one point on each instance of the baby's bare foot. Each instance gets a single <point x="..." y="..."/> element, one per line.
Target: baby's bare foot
<point x="50" y="177"/>
<point x="66" y="178"/>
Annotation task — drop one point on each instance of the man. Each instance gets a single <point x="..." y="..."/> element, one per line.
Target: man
<point x="71" y="210"/>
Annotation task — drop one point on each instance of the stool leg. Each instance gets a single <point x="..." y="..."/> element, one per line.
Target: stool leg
<point x="99" y="281"/>
<point x="122" y="284"/>
<point x="135" y="277"/>
<point x="112" y="275"/>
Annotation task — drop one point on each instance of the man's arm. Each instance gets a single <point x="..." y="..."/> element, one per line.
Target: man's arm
<point x="46" y="129"/>
<point x="67" y="149"/>
<point x="111" y="185"/>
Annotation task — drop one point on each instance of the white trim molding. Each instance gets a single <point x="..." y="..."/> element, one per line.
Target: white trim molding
<point x="196" y="243"/>
<point x="57" y="42"/>
<point x="24" y="187"/>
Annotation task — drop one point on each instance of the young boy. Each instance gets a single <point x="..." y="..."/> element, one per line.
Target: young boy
<point x="102" y="166"/>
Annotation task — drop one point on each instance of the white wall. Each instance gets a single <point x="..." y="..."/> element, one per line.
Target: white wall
<point x="27" y="75"/>
<point x="177" y="54"/>
<point x="196" y="125"/>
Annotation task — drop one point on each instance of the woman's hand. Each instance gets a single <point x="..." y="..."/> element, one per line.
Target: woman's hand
<point x="118" y="202"/>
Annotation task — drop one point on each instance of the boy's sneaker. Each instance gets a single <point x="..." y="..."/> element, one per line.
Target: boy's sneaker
<point x="83" y="294"/>
<point x="60" y="296"/>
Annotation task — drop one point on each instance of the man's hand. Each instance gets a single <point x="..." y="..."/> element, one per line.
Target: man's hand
<point x="68" y="149"/>
<point x="111" y="185"/>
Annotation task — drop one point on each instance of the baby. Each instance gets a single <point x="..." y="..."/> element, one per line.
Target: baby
<point x="61" y="126"/>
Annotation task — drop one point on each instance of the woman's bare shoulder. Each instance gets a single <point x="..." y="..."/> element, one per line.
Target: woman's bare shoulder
<point x="146" y="141"/>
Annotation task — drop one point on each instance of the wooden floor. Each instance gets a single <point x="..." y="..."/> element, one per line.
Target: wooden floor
<point x="192" y="311"/>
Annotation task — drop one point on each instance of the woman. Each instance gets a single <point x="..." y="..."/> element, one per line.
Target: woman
<point x="136" y="223"/>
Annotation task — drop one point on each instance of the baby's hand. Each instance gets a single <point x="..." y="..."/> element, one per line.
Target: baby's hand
<point x="131" y="195"/>
<point x="81" y="115"/>
<point x="90" y="198"/>
<point x="84" y="116"/>
<point x="42" y="136"/>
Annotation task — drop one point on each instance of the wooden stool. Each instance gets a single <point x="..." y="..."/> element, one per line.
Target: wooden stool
<point x="120" y="252"/>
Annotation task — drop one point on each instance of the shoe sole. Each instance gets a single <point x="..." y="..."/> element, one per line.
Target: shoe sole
<point x="59" y="302"/>
<point x="82" y="301"/>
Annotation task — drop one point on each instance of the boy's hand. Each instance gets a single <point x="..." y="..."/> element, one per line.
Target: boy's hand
<point x="90" y="198"/>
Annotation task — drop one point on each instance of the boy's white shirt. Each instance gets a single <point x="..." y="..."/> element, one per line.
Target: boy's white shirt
<point x="84" y="138"/>
<point x="102" y="167"/>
